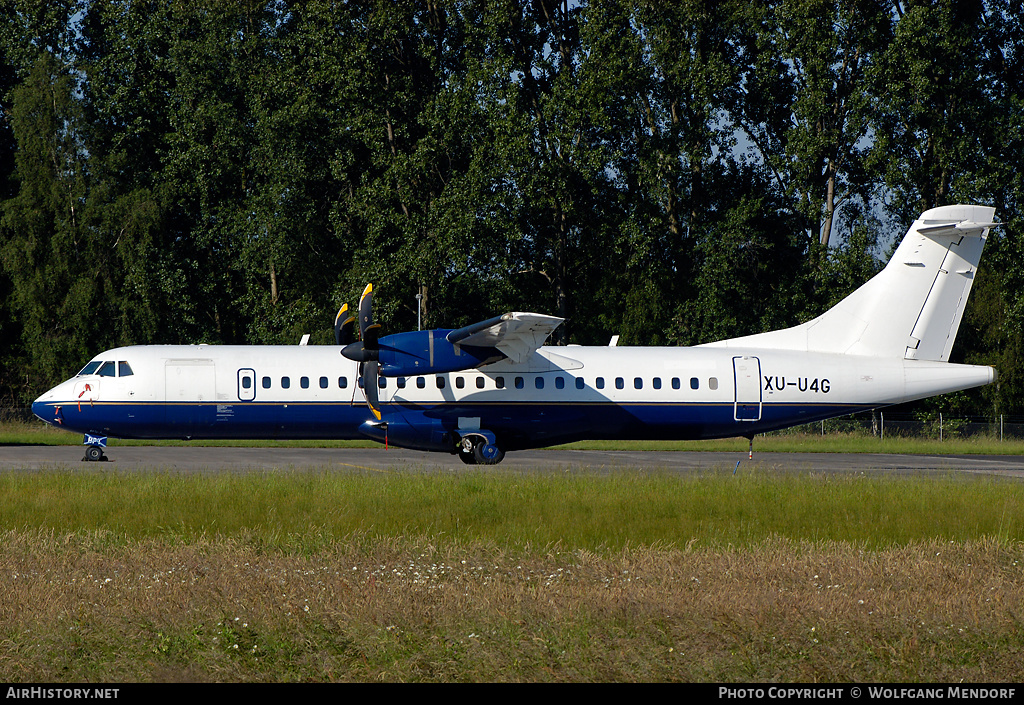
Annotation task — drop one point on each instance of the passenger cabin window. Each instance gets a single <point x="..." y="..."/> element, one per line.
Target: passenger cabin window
<point x="421" y="383"/>
<point x="539" y="383"/>
<point x="479" y="382"/>
<point x="559" y="383"/>
<point x="382" y="382"/>
<point x="107" y="370"/>
<point x="713" y="383"/>
<point x="675" y="383"/>
<point x="460" y="382"/>
<point x="342" y="382"/>
<point x="304" y="382"/>
<point x="266" y="382"/>
<point x="400" y="381"/>
<point x="246" y="382"/>
<point x="694" y="383"/>
<point x="285" y="382"/>
<point x="124" y="369"/>
<point x="520" y="383"/>
<point x="499" y="382"/>
<point x="638" y="383"/>
<point x="440" y="382"/>
<point x="324" y="382"/>
<point x="599" y="382"/>
<point x="619" y="383"/>
<point x="580" y="384"/>
<point x="656" y="382"/>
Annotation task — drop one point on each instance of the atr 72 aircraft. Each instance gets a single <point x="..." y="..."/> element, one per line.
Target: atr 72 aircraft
<point x="493" y="387"/>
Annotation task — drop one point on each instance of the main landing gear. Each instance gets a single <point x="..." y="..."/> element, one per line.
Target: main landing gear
<point x="478" y="450"/>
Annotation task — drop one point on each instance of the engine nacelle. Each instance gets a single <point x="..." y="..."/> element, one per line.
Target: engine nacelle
<point x="429" y="352"/>
<point x="425" y="434"/>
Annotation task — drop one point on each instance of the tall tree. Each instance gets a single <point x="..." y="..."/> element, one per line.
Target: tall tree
<point x="929" y="98"/>
<point x="27" y="30"/>
<point x="60" y="274"/>
<point x="993" y="329"/>
<point x="806" y="107"/>
<point x="682" y="152"/>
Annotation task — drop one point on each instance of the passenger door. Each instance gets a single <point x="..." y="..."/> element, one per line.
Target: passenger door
<point x="246" y="384"/>
<point x="747" y="374"/>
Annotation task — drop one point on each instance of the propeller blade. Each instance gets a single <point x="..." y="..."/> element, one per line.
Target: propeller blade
<point x="368" y="330"/>
<point x="344" y="326"/>
<point x="366" y="351"/>
<point x="368" y="374"/>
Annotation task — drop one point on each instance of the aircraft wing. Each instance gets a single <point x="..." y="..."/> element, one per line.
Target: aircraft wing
<point x="517" y="335"/>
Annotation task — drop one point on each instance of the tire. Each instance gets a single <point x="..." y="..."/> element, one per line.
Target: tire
<point x="93" y="453"/>
<point x="487" y="454"/>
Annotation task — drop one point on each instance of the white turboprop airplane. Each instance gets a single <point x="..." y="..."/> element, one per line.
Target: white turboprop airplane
<point x="489" y="388"/>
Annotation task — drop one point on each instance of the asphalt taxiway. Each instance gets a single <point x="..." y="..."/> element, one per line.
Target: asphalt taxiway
<point x="235" y="459"/>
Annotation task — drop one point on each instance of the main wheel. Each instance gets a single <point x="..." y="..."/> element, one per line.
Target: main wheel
<point x="487" y="454"/>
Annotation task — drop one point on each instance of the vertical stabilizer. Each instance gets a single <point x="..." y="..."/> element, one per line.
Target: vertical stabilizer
<point x="912" y="308"/>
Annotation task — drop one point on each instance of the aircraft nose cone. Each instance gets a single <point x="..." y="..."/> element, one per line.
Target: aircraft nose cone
<point x="41" y="410"/>
<point x="38" y="408"/>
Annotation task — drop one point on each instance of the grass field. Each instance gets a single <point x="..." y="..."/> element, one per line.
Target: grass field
<point x="313" y="576"/>
<point x="414" y="576"/>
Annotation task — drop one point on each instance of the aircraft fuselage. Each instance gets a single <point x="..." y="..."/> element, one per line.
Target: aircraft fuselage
<point x="557" y="395"/>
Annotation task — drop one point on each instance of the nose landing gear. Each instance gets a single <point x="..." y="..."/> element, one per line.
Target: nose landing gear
<point x="94" y="446"/>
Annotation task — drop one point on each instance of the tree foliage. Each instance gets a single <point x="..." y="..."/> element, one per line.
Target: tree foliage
<point x="176" y="172"/>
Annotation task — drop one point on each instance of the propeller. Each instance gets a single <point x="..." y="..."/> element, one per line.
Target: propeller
<point x="367" y="350"/>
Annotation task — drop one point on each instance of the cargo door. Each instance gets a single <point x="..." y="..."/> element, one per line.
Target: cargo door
<point x="191" y="389"/>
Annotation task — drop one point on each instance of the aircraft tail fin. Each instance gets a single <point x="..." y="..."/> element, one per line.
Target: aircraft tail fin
<point x="913" y="307"/>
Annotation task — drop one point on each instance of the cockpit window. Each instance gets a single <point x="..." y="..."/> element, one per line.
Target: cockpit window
<point x="124" y="369"/>
<point x="90" y="368"/>
<point x="107" y="370"/>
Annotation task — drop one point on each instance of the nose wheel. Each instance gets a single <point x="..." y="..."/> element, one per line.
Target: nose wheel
<point x="94" y="454"/>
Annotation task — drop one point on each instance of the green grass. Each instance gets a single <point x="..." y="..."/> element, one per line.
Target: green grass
<point x="595" y="512"/>
<point x="798" y="442"/>
<point x="36" y="433"/>
<point x="476" y="576"/>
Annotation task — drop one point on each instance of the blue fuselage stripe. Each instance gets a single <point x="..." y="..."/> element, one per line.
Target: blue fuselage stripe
<point x="519" y="424"/>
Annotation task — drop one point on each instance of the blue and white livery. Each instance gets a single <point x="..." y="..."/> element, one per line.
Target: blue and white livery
<point x="493" y="387"/>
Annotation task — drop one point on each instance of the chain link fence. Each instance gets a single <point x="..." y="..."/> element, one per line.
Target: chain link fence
<point x="14" y="414"/>
<point x="931" y="425"/>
